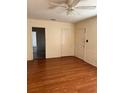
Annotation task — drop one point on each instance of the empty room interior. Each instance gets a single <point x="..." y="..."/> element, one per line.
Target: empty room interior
<point x="61" y="46"/>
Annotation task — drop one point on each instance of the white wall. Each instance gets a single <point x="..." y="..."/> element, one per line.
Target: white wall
<point x="65" y="39"/>
<point x="56" y="39"/>
<point x="89" y="53"/>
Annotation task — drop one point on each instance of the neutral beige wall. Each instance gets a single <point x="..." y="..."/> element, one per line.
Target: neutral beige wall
<point x="55" y="43"/>
<point x="60" y="38"/>
<point x="90" y="50"/>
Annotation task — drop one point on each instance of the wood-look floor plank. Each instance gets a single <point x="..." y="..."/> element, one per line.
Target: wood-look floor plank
<point x="61" y="75"/>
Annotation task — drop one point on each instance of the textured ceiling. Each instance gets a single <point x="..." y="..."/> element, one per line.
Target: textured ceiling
<point x="39" y="9"/>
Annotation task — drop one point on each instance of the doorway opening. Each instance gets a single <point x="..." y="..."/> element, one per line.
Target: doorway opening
<point x="38" y="43"/>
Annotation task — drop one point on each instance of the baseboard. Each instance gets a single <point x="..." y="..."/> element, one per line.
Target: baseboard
<point x="86" y="61"/>
<point x="59" y="57"/>
<point x="65" y="57"/>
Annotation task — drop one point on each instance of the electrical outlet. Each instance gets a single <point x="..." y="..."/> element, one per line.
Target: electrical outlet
<point x="87" y="41"/>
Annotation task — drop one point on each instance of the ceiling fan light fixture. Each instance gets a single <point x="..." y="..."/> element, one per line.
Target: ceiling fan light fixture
<point x="70" y="11"/>
<point x="70" y="6"/>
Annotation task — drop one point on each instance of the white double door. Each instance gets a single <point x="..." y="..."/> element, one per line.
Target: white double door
<point x="67" y="42"/>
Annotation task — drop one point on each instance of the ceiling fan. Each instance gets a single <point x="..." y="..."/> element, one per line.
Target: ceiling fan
<point x="69" y="5"/>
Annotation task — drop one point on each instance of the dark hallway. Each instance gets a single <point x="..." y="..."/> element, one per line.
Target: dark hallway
<point x="38" y="42"/>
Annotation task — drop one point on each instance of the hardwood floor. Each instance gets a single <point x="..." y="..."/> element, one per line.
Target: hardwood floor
<point x="61" y="75"/>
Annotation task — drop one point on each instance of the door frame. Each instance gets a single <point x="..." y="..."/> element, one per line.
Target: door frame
<point x="33" y="28"/>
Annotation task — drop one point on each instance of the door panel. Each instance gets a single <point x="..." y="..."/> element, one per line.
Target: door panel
<point x="80" y="43"/>
<point x="67" y="42"/>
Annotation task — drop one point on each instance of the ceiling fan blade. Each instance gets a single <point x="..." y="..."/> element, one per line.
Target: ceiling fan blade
<point x="52" y="7"/>
<point x="58" y="1"/>
<point x="55" y="4"/>
<point x="85" y="7"/>
<point x="75" y="2"/>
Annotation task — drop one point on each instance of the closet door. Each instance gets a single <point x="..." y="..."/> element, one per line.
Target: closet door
<point x="67" y="38"/>
<point x="80" y="44"/>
